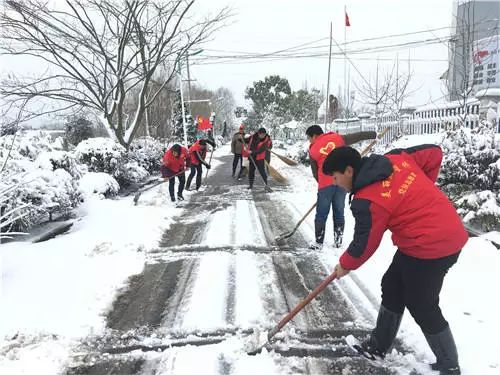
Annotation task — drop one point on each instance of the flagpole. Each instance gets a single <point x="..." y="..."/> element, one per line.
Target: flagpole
<point x="346" y="114"/>
<point x="328" y="79"/>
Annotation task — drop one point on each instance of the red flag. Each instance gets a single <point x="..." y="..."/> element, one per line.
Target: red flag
<point x="347" y="22"/>
<point x="203" y="123"/>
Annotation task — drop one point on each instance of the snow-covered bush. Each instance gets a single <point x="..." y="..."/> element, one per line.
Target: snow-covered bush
<point x="101" y="155"/>
<point x="38" y="193"/>
<point x="107" y="156"/>
<point x="470" y="173"/>
<point x="33" y="143"/>
<point x="481" y="209"/>
<point x="299" y="152"/>
<point x="61" y="160"/>
<point x="80" y="128"/>
<point x="25" y="145"/>
<point x="470" y="160"/>
<point x="99" y="183"/>
<point x="147" y="152"/>
<point x="130" y="172"/>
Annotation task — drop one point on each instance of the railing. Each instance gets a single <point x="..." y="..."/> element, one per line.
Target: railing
<point x="424" y="120"/>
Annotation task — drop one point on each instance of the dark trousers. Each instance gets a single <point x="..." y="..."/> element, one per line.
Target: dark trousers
<point x="171" y="185"/>
<point x="194" y="169"/>
<point x="251" y="170"/>
<point x="415" y="284"/>
<point x="237" y="160"/>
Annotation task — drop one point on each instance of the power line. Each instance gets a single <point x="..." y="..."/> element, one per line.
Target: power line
<point x="209" y="59"/>
<point x="326" y="38"/>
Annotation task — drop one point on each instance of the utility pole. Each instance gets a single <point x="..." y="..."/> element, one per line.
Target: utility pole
<point x="189" y="77"/>
<point x="182" y="105"/>
<point x="328" y="80"/>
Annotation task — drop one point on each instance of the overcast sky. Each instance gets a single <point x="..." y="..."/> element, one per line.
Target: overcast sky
<point x="263" y="26"/>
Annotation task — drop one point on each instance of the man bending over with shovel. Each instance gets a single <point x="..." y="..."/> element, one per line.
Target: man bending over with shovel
<point x="396" y="191"/>
<point x="175" y="162"/>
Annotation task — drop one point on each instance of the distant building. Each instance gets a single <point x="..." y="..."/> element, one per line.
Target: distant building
<point x="473" y="50"/>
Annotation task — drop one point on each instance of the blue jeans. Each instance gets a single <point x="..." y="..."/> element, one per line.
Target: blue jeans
<point x="331" y="195"/>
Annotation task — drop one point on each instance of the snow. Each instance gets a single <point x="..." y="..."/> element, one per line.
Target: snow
<point x="55" y="293"/>
<point x="468" y="298"/>
<point x="98" y="183"/>
<point x="210" y="289"/>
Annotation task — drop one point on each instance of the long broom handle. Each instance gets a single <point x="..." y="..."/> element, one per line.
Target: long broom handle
<point x="364" y="152"/>
<point x="255" y="165"/>
<point x="372" y="143"/>
<point x="301" y="305"/>
<point x="209" y="162"/>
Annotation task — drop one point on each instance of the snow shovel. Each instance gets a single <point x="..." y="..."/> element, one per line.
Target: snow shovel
<point x="283" y="236"/>
<point x="138" y="194"/>
<point x="259" y="343"/>
<point x="477" y="233"/>
<point x="286" y="160"/>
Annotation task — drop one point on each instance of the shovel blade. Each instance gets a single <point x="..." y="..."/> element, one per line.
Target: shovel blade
<point x="283" y="236"/>
<point x="256" y="342"/>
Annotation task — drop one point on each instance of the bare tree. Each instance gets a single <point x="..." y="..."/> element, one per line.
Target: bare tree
<point x="98" y="52"/>
<point x="388" y="91"/>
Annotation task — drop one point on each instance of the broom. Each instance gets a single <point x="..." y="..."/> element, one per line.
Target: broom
<point x="286" y="160"/>
<point x="275" y="174"/>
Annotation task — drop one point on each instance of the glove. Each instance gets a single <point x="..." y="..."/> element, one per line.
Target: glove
<point x="208" y="166"/>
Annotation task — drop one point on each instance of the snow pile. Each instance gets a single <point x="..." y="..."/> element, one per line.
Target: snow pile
<point x="99" y="183"/>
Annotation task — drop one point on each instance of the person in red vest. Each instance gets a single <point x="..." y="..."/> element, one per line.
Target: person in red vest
<point x="258" y="143"/>
<point x="397" y="191"/>
<point x="197" y="154"/>
<point x="174" y="163"/>
<point x="329" y="194"/>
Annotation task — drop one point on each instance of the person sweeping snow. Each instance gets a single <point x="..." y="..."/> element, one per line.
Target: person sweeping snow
<point x="174" y="162"/>
<point x="397" y="191"/>
<point x="197" y="155"/>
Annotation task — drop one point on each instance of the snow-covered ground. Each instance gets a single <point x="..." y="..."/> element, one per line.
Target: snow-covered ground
<point x="53" y="293"/>
<point x="56" y="292"/>
<point x="469" y="298"/>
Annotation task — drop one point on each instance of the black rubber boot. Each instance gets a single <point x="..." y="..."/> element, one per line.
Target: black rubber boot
<point x="319" y="232"/>
<point x="443" y="346"/>
<point x="384" y="333"/>
<point x="338" y="234"/>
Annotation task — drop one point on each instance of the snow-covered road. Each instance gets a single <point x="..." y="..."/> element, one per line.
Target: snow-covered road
<point x="217" y="274"/>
